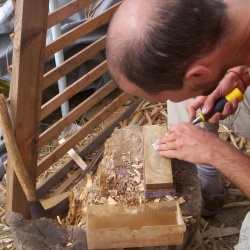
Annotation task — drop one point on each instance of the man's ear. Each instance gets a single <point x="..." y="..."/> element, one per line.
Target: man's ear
<point x="197" y="71"/>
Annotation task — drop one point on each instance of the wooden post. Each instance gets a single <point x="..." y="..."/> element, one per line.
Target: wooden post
<point x="26" y="91"/>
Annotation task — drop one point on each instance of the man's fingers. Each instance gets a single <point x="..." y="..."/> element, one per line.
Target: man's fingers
<point x="210" y="101"/>
<point x="195" y="105"/>
<point x="215" y="118"/>
<point x="168" y="154"/>
<point x="166" y="146"/>
<point x="167" y="138"/>
<point x="229" y="109"/>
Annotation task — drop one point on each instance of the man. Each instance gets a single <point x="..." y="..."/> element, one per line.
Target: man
<point x="175" y="50"/>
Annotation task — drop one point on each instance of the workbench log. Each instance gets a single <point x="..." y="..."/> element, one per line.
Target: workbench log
<point x="48" y="234"/>
<point x="27" y="234"/>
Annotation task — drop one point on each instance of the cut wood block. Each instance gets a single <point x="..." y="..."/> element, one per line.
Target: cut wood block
<point x="157" y="169"/>
<point x="122" y="226"/>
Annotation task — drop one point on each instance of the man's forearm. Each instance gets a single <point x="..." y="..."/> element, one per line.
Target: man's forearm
<point x="234" y="164"/>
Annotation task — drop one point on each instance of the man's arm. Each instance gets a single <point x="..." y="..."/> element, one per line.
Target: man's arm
<point x="193" y="144"/>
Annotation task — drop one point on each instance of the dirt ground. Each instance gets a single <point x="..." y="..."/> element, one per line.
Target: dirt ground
<point x="227" y="218"/>
<point x="230" y="217"/>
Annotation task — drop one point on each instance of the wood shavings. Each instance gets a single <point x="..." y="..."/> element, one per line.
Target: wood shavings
<point x="236" y="140"/>
<point x="175" y="198"/>
<point x="181" y="200"/>
<point x="169" y="197"/>
<point x="242" y="141"/>
<point x="157" y="200"/>
<point x="111" y="201"/>
<point x="149" y="114"/>
<point x="118" y="179"/>
<point x="59" y="220"/>
<point x="214" y="232"/>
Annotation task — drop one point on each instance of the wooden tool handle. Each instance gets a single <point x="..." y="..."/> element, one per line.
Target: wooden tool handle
<point x="13" y="152"/>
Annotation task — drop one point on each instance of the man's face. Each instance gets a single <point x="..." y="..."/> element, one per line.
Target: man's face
<point x="179" y="95"/>
<point x="174" y="96"/>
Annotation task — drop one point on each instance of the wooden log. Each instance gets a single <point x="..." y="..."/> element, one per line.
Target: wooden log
<point x="45" y="234"/>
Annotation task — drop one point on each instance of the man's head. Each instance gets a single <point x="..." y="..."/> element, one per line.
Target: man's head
<point x="152" y="43"/>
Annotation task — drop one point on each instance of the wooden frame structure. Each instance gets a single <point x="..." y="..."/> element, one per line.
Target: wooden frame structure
<point x="28" y="81"/>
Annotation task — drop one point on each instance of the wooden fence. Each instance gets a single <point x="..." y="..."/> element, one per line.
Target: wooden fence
<point x="29" y="81"/>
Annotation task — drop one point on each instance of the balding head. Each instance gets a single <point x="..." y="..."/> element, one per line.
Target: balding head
<point x="128" y="29"/>
<point x="151" y="43"/>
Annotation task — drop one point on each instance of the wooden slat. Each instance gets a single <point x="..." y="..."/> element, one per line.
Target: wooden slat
<point x="66" y="11"/>
<point x="61" y="150"/>
<point x="61" y="172"/>
<point x="73" y="89"/>
<point x="74" y="114"/>
<point x="80" y="31"/>
<point x="26" y="92"/>
<point x="73" y="62"/>
<point x="68" y="182"/>
<point x="53" y="201"/>
<point x="54" y="178"/>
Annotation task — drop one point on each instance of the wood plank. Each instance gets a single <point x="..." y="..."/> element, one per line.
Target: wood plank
<point x="62" y="149"/>
<point x="157" y="169"/>
<point x="50" y="182"/>
<point x="67" y="183"/>
<point x="80" y="31"/>
<point x="26" y="92"/>
<point x="66" y="11"/>
<point x="53" y="201"/>
<point x="73" y="62"/>
<point x="74" y="114"/>
<point x="73" y="89"/>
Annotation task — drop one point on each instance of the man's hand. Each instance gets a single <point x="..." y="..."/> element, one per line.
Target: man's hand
<point x="188" y="142"/>
<point x="227" y="84"/>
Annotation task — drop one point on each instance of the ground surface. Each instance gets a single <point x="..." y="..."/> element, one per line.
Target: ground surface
<point x="227" y="217"/>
